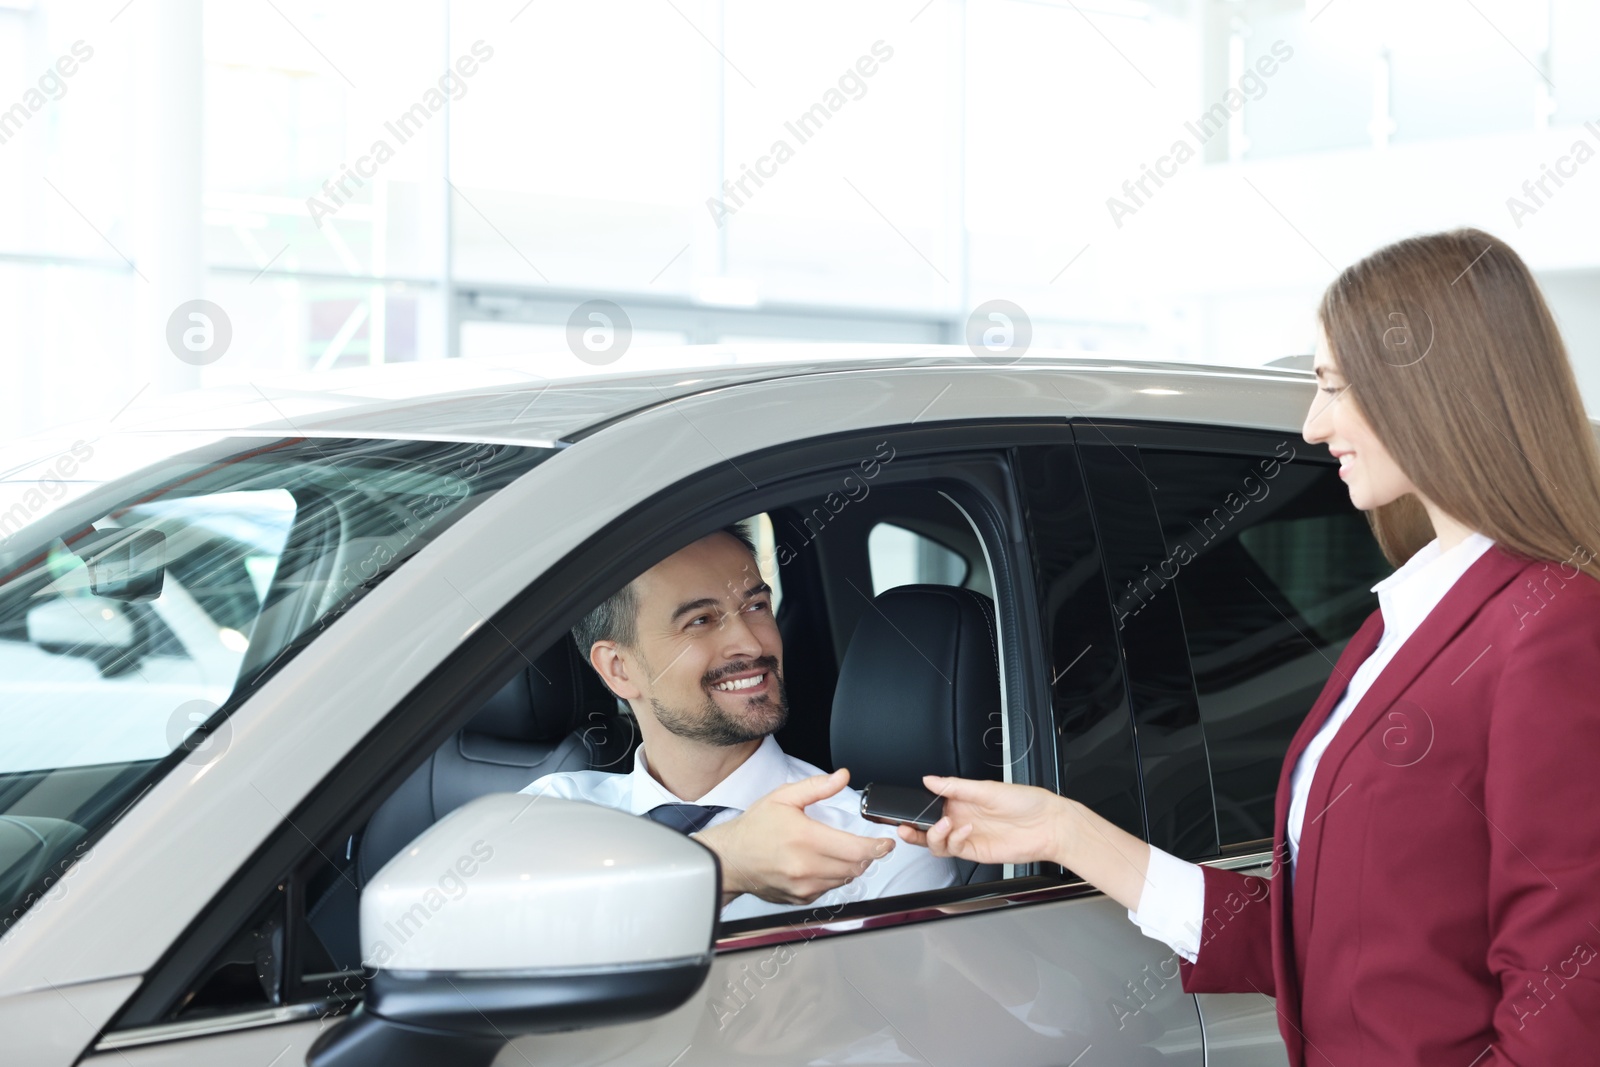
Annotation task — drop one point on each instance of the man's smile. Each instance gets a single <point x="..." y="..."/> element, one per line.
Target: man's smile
<point x="744" y="683"/>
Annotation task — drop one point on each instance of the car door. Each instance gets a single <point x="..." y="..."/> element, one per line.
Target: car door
<point x="1033" y="967"/>
<point x="1242" y="571"/>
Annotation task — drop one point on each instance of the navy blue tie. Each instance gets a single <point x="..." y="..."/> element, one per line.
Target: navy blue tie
<point x="684" y="818"/>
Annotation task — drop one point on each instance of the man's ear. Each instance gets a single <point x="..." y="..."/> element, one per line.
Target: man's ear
<point x="613" y="666"/>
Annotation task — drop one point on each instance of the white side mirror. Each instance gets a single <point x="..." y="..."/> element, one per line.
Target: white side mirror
<point x="79" y="623"/>
<point x="517" y="914"/>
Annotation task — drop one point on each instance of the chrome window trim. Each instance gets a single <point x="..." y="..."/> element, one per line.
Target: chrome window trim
<point x="1259" y="858"/>
<point x="807" y="931"/>
<point x="221" y="1024"/>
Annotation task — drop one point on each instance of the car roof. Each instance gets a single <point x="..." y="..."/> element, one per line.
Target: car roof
<point x="540" y="400"/>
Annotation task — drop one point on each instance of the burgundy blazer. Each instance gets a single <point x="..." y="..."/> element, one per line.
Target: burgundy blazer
<point x="1446" y="906"/>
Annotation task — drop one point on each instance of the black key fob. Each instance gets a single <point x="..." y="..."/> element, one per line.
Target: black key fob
<point x="895" y="804"/>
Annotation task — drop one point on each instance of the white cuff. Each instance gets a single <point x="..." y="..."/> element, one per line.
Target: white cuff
<point x="1172" y="903"/>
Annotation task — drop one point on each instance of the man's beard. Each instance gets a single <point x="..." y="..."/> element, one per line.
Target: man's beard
<point x="712" y="725"/>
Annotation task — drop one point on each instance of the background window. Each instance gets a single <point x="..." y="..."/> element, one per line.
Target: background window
<point x="1180" y="180"/>
<point x="899" y="556"/>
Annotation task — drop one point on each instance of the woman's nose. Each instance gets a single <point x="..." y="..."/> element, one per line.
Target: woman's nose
<point x="1314" y="430"/>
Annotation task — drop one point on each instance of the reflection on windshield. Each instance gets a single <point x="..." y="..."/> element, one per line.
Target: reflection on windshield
<point x="88" y="679"/>
<point x="136" y="617"/>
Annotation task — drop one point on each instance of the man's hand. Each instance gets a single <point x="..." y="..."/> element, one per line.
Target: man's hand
<point x="782" y="855"/>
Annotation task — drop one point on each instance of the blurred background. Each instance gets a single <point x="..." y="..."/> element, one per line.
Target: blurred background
<point x="353" y="183"/>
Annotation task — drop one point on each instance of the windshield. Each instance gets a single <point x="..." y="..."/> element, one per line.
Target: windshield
<point x="138" y="614"/>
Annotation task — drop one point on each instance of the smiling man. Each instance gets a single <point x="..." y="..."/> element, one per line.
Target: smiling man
<point x="692" y="646"/>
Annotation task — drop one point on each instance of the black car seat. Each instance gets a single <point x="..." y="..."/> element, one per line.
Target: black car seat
<point x="554" y="715"/>
<point x="919" y="693"/>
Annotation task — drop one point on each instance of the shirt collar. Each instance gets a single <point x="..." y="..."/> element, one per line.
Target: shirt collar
<point x="765" y="770"/>
<point x="1411" y="592"/>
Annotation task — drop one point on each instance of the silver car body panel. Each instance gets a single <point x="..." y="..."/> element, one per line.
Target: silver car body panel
<point x="53" y="1025"/>
<point x="513" y="404"/>
<point x="1030" y="987"/>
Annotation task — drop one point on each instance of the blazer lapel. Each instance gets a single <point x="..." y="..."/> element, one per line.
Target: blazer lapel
<point x="1487" y="575"/>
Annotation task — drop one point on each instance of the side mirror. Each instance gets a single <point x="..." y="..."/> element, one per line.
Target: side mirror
<point x="517" y="915"/>
<point x="93" y="627"/>
<point x="80" y="624"/>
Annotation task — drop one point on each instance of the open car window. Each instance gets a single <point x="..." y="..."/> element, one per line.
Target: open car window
<point x="136" y="617"/>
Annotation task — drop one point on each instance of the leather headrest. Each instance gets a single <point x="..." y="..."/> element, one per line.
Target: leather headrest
<point x="544" y="702"/>
<point x="919" y="689"/>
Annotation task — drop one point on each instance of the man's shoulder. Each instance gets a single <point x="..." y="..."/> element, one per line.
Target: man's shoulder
<point x="799" y="770"/>
<point x="596" y="787"/>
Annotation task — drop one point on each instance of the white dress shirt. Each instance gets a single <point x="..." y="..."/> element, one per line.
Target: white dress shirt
<point x="1172" y="903"/>
<point x="906" y="869"/>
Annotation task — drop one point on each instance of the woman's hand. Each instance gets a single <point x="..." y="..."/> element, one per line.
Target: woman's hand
<point x="1000" y="822"/>
<point x="993" y="822"/>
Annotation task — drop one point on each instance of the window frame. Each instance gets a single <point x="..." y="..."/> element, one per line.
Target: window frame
<point x="554" y="601"/>
<point x="1052" y="481"/>
<point x="1252" y="443"/>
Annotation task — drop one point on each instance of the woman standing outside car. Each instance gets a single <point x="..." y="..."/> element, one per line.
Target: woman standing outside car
<point x="1434" y="896"/>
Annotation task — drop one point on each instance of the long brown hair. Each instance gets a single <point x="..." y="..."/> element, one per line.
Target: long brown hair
<point x="1452" y="356"/>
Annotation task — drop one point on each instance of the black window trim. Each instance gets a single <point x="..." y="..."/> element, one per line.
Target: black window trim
<point x="1165" y="706"/>
<point x="1055" y="502"/>
<point x="1198" y="437"/>
<point x="347" y="796"/>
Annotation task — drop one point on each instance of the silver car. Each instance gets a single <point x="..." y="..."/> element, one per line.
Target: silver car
<point x="324" y="857"/>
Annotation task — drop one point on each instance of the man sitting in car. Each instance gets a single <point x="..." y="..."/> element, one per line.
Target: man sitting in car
<point x="692" y="646"/>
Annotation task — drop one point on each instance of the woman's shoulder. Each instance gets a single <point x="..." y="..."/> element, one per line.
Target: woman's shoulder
<point x="1547" y="616"/>
<point x="1557" y="592"/>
